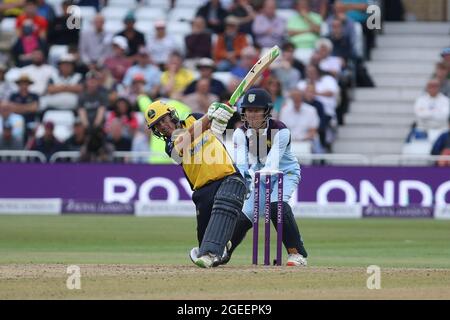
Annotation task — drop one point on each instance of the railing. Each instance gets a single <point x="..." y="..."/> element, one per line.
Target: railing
<point x="334" y="159"/>
<point x="407" y="160"/>
<point x="68" y="156"/>
<point x="304" y="159"/>
<point x="136" y="156"/>
<point x="21" y="156"/>
<point x="118" y="156"/>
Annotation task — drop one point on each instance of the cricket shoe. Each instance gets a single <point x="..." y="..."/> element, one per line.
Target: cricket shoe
<point x="225" y="256"/>
<point x="194" y="255"/>
<point x="296" y="260"/>
<point x="207" y="261"/>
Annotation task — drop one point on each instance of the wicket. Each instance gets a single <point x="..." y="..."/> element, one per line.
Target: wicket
<point x="267" y="185"/>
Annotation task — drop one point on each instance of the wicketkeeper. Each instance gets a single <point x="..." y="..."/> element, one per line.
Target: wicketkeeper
<point x="219" y="189"/>
<point x="265" y="144"/>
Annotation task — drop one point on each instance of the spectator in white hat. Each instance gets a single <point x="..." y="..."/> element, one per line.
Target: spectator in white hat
<point x="161" y="45"/>
<point x="64" y="87"/>
<point x="118" y="63"/>
<point x="206" y="68"/>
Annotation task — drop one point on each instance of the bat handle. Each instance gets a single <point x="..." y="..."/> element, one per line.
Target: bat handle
<point x="229" y="104"/>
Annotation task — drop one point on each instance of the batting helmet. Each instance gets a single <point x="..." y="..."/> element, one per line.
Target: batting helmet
<point x="156" y="111"/>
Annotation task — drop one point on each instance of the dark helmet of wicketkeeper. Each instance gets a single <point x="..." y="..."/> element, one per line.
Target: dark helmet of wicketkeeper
<point x="257" y="98"/>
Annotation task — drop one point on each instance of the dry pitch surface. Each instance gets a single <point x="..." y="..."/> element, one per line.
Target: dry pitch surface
<point x="231" y="282"/>
<point x="146" y="258"/>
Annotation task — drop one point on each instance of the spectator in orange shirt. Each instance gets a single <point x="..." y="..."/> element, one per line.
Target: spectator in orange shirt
<point x="229" y="45"/>
<point x="40" y="24"/>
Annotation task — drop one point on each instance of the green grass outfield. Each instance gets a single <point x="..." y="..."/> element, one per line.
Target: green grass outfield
<point x="164" y="243"/>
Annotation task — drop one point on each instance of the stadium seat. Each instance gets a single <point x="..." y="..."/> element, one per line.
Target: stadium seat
<point x="60" y="117"/>
<point x="113" y="26"/>
<point x="114" y="13"/>
<point x="303" y="54"/>
<point x="181" y="44"/>
<point x="63" y="121"/>
<point x="433" y="134"/>
<point x="55" y="52"/>
<point x="88" y="13"/>
<point x="359" y="40"/>
<point x="150" y="14"/>
<point x="122" y="4"/>
<point x="225" y="77"/>
<point x="301" y="148"/>
<point x="13" y="74"/>
<point x="182" y="14"/>
<point x="161" y="4"/>
<point x="86" y="25"/>
<point x="54" y="3"/>
<point x="182" y="28"/>
<point x="145" y="26"/>
<point x="8" y="25"/>
<point x="185" y="4"/>
<point x="418" y="147"/>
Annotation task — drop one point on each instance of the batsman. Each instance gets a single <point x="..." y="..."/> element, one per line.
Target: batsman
<point x="218" y="187"/>
<point x="265" y="144"/>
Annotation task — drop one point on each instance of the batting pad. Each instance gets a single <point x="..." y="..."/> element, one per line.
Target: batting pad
<point x="228" y="203"/>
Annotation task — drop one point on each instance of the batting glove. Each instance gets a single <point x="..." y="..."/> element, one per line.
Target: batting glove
<point x="212" y="108"/>
<point x="218" y="127"/>
<point x="220" y="111"/>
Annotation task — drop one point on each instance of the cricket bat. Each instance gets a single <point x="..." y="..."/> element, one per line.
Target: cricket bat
<point x="261" y="65"/>
<point x="258" y="68"/>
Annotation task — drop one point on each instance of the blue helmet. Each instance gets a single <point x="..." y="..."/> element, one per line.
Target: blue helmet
<point x="257" y="98"/>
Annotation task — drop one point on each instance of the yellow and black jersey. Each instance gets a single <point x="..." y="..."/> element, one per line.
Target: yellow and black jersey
<point x="206" y="160"/>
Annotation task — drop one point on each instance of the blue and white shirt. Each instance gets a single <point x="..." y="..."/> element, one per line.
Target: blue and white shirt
<point x="268" y="150"/>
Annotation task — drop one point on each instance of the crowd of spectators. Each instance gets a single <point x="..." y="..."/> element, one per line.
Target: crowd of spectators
<point x="432" y="111"/>
<point x="105" y="79"/>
